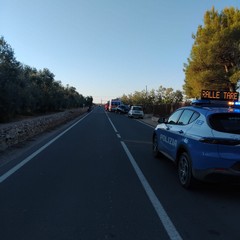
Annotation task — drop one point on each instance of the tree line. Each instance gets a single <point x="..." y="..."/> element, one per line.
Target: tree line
<point x="24" y="90"/>
<point x="153" y="97"/>
<point x="214" y="62"/>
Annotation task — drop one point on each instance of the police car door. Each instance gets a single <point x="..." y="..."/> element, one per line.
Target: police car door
<point x="170" y="135"/>
<point x="178" y="125"/>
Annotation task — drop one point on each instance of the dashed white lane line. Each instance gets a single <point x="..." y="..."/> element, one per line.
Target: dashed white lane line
<point x="30" y="157"/>
<point x="118" y="135"/>
<point x="164" y="218"/>
<point x="115" y="130"/>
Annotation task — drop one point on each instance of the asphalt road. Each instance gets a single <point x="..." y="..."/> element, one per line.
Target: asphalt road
<point x="97" y="179"/>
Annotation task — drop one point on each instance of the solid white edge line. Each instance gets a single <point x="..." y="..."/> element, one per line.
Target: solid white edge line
<point x="30" y="157"/>
<point x="167" y="223"/>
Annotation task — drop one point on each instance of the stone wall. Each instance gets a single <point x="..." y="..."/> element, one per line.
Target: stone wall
<point x="17" y="132"/>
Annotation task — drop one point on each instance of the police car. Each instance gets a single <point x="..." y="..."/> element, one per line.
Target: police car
<point x="202" y="139"/>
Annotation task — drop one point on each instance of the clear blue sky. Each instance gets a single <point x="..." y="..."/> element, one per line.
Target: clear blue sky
<point x="106" y="48"/>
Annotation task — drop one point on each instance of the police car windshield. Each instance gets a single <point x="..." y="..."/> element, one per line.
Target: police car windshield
<point x="225" y="122"/>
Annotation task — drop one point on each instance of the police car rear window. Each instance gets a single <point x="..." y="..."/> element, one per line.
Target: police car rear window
<point x="225" y="122"/>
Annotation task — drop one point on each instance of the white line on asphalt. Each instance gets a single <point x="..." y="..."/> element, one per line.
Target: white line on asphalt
<point x="118" y="135"/>
<point x="149" y="125"/>
<point x="164" y="218"/>
<point x="167" y="223"/>
<point x="111" y="123"/>
<point x="26" y="160"/>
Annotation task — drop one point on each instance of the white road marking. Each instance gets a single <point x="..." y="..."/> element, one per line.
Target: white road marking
<point x="166" y="221"/>
<point x="26" y="160"/>
<point x="118" y="135"/>
<point x="147" y="124"/>
<point x="111" y="123"/>
<point x="164" y="218"/>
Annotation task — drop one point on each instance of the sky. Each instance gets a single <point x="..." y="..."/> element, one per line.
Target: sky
<point x="106" y="48"/>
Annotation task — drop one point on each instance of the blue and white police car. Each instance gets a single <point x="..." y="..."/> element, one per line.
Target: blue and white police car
<point x="203" y="140"/>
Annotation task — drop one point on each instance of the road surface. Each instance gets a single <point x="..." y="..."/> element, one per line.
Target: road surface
<point x="97" y="179"/>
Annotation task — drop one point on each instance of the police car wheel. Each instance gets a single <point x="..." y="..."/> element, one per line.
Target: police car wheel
<point x="185" y="171"/>
<point x="155" y="147"/>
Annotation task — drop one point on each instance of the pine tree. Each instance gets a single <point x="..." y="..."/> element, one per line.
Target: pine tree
<point x="214" y="62"/>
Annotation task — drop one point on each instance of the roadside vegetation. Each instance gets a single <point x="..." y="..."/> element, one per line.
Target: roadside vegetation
<point x="24" y="90"/>
<point x="214" y="62"/>
<point x="153" y="97"/>
<point x="157" y="102"/>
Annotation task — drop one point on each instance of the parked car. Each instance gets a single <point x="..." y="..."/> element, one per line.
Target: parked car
<point x="203" y="141"/>
<point x="136" y="112"/>
<point x="122" y="109"/>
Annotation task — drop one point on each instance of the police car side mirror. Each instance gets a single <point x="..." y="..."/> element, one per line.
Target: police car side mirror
<point x="162" y="120"/>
